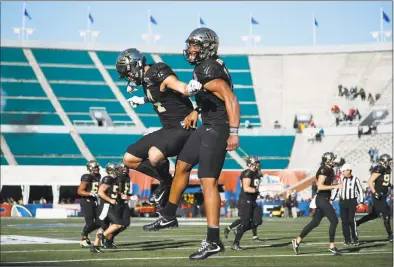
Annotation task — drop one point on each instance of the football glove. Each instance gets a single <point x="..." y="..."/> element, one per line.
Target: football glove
<point x="93" y="194"/>
<point x="193" y="87"/>
<point x="377" y="196"/>
<point x="136" y="101"/>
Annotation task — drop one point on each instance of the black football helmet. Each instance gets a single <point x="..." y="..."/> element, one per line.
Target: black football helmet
<point x="93" y="167"/>
<point x="130" y="65"/>
<point x="328" y="159"/>
<point x="253" y="163"/>
<point x="111" y="168"/>
<point x="385" y="160"/>
<point x="122" y="168"/>
<point x="207" y="40"/>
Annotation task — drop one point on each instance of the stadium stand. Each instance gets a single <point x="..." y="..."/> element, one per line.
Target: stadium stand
<point x="269" y="85"/>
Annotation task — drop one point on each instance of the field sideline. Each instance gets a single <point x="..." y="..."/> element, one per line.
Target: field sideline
<point x="172" y="247"/>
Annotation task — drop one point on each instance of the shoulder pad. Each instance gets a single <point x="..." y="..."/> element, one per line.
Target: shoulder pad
<point x="160" y="72"/>
<point x="86" y="178"/>
<point x="378" y="169"/>
<point x="107" y="180"/>
<point x="246" y="174"/>
<point x="209" y="70"/>
<point x="321" y="171"/>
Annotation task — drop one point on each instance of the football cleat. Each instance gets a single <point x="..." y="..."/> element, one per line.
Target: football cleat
<point x="85" y="243"/>
<point x="161" y="192"/>
<point x="235" y="246"/>
<point x="391" y="238"/>
<point x="108" y="244"/>
<point x="161" y="223"/>
<point x="95" y="249"/>
<point x="207" y="249"/>
<point x="295" y="246"/>
<point x="355" y="243"/>
<point x="346" y="243"/>
<point x="334" y="251"/>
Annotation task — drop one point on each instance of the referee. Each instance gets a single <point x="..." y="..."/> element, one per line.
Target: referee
<point x="348" y="195"/>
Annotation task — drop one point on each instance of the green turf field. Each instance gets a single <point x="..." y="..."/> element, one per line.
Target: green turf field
<point x="172" y="247"/>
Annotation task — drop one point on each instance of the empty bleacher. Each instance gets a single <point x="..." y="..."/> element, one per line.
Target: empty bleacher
<point x="23" y="100"/>
<point x="44" y="149"/>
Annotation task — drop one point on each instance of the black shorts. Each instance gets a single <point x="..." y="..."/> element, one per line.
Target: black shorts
<point x="250" y="211"/>
<point x="169" y="141"/>
<point x="381" y="207"/>
<point x="124" y="211"/>
<point x="207" y="147"/>
<point x="89" y="209"/>
<point x="110" y="214"/>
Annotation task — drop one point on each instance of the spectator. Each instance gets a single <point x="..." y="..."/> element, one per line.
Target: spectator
<point x="346" y="93"/>
<point x="340" y="93"/>
<point x="43" y="200"/>
<point x="360" y="131"/>
<point x="321" y="132"/>
<point x="371" y="100"/>
<point x="377" y="96"/>
<point x="362" y="94"/>
<point x="293" y="204"/>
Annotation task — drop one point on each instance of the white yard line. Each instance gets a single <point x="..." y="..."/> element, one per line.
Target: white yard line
<point x="257" y="245"/>
<point x="370" y="252"/>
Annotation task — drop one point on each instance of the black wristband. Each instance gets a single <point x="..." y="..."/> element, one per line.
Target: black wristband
<point x="146" y="99"/>
<point x="198" y="110"/>
<point x="233" y="130"/>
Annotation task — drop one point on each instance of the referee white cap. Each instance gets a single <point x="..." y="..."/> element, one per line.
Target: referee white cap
<point x="346" y="167"/>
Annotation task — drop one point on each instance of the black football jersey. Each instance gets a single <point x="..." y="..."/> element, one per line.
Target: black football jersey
<point x="113" y="188"/>
<point x="171" y="107"/>
<point x="124" y="184"/>
<point x="93" y="182"/>
<point x="213" y="109"/>
<point x="254" y="183"/>
<point x="383" y="182"/>
<point x="330" y="175"/>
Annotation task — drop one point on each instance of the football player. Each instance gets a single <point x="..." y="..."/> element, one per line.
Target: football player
<point x="379" y="183"/>
<point x="169" y="98"/>
<point x="88" y="189"/>
<point x="325" y="176"/>
<point x="110" y="214"/>
<point x="207" y="145"/>
<point x="250" y="213"/>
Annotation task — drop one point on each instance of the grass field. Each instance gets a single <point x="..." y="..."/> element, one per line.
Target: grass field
<point x="172" y="247"/>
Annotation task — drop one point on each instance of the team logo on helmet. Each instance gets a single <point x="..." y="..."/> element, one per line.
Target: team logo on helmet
<point x="92" y="166"/>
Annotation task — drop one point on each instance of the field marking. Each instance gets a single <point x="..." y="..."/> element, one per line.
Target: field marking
<point x="213" y="257"/>
<point x="187" y="248"/>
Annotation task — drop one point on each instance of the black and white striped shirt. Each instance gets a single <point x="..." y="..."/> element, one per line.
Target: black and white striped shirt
<point x="351" y="189"/>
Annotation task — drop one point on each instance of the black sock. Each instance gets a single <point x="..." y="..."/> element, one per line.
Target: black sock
<point x="254" y="230"/>
<point x="164" y="172"/>
<point x="170" y="210"/>
<point x="147" y="168"/>
<point x="213" y="234"/>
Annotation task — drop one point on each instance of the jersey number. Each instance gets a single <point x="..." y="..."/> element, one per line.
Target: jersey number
<point x="115" y="190"/>
<point x="94" y="188"/>
<point x="126" y="188"/>
<point x="386" y="180"/>
<point x="160" y="108"/>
